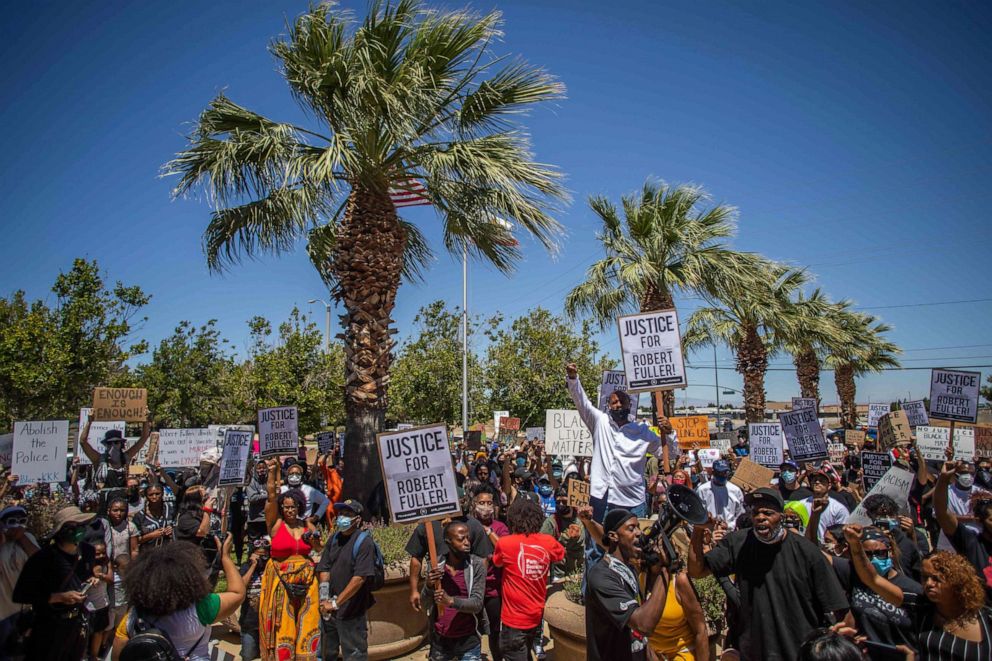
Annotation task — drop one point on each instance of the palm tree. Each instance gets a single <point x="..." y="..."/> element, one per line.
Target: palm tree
<point x="868" y="352"/>
<point x="664" y="244"/>
<point x="815" y="330"/>
<point x="748" y="315"/>
<point x="408" y="99"/>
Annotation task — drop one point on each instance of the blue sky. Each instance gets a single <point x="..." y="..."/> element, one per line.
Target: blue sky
<point x="853" y="137"/>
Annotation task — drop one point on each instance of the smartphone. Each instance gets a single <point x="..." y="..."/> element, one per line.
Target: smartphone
<point x="85" y="589"/>
<point x="883" y="651"/>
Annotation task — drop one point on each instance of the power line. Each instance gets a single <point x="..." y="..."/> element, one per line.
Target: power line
<point x="828" y="369"/>
<point x="920" y="305"/>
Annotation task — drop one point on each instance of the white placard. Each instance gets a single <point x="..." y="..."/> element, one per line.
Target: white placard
<point x="566" y="434"/>
<point x="765" y="440"/>
<point x="802" y="430"/>
<point x="278" y="433"/>
<point x="917" y="413"/>
<point x="954" y="395"/>
<point x="875" y="413"/>
<point x="534" y="432"/>
<point x="235" y="453"/>
<point x="707" y="456"/>
<point x="419" y="475"/>
<point x="181" y="448"/>
<point x="932" y="442"/>
<point x="496" y="418"/>
<point x="896" y="484"/>
<point x="97" y="430"/>
<point x="615" y="380"/>
<point x="803" y="403"/>
<point x="39" y="451"/>
<point x="652" y="351"/>
<point x="6" y="449"/>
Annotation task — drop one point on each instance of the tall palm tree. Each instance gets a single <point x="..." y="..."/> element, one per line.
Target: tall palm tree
<point x="869" y="352"/>
<point x="404" y="99"/>
<point x="748" y="315"/>
<point x="815" y="330"/>
<point x="665" y="243"/>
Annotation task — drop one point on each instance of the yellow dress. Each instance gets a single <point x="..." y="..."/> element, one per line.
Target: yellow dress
<point x="673" y="637"/>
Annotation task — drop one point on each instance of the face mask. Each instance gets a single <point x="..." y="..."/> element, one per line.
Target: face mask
<point x="73" y="536"/>
<point x="788" y="476"/>
<point x="556" y="473"/>
<point x="132" y="493"/>
<point x="620" y="416"/>
<point x="484" y="512"/>
<point x="679" y="481"/>
<point x="545" y="490"/>
<point x="720" y="480"/>
<point x="563" y="510"/>
<point x="983" y="477"/>
<point x="343" y="522"/>
<point x="882" y="566"/>
<point x="294" y="480"/>
<point x="521" y="462"/>
<point x="966" y="481"/>
<point x="116" y="454"/>
<point x="774" y="535"/>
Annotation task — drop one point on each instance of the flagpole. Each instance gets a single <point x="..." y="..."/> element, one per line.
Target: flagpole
<point x="464" y="340"/>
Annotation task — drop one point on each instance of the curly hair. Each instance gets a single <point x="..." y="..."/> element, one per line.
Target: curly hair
<point x="296" y="495"/>
<point x="959" y="575"/>
<point x="167" y="579"/>
<point x="524" y="517"/>
<point x="879" y="504"/>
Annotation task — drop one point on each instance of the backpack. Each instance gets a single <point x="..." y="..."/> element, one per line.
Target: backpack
<point x="378" y="561"/>
<point x="150" y="643"/>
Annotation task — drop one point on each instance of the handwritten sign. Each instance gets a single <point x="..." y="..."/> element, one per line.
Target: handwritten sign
<point x="874" y="466"/>
<point x="419" y="475"/>
<point x="97" y="431"/>
<point x="692" y="431"/>
<point x="39" y="451"/>
<point x="916" y="412"/>
<point x="932" y="442"/>
<point x="497" y="415"/>
<point x="896" y="484"/>
<point x="894" y="429"/>
<point x="954" y="395"/>
<point x="837" y="452"/>
<point x="278" y="433"/>
<point x="875" y="413"/>
<point x="854" y="437"/>
<point x="804" y="403"/>
<point x="765" y="439"/>
<point x="509" y="424"/>
<point x="805" y="437"/>
<point x="983" y="441"/>
<point x="707" y="456"/>
<point x="534" y="433"/>
<point x="722" y="441"/>
<point x="6" y="449"/>
<point x="566" y="434"/>
<point x="127" y="404"/>
<point x="615" y="380"/>
<point x="750" y="476"/>
<point x="652" y="351"/>
<point x="235" y="453"/>
<point x="578" y="493"/>
<point x="181" y="448"/>
<point x="148" y="454"/>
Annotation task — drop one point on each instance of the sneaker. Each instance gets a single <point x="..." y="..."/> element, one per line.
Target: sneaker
<point x="539" y="651"/>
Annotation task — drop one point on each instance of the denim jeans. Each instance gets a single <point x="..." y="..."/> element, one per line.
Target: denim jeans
<point x="516" y="644"/>
<point x="473" y="654"/>
<point x="249" y="645"/>
<point x="351" y="636"/>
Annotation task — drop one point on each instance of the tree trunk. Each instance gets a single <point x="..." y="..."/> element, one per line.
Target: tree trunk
<point x="847" y="392"/>
<point x="368" y="261"/>
<point x="752" y="362"/>
<point x="808" y="373"/>
<point x="657" y="298"/>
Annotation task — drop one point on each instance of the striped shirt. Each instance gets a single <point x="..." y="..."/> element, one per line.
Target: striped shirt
<point x="936" y="644"/>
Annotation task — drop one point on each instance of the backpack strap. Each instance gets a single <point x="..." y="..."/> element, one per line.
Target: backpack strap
<point x="358" y="543"/>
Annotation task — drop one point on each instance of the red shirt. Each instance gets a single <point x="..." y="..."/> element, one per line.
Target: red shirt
<point x="526" y="560"/>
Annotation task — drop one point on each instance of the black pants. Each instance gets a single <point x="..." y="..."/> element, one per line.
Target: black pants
<point x="516" y="644"/>
<point x="493" y="606"/>
<point x="57" y="639"/>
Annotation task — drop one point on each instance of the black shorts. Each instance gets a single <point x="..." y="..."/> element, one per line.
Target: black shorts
<point x="100" y="620"/>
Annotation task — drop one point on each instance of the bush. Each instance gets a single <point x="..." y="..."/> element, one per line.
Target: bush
<point x="392" y="541"/>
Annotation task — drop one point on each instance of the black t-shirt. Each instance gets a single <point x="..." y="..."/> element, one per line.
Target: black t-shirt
<point x="876" y="618"/>
<point x="481" y="546"/>
<point x="249" y="609"/>
<point x="787" y="590"/>
<point x="342" y="562"/>
<point x="799" y="493"/>
<point x="50" y="571"/>
<point x="611" y="599"/>
<point x="187" y="525"/>
<point x="978" y="550"/>
<point x="910" y="556"/>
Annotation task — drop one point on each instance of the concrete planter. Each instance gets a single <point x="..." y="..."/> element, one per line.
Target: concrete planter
<point x="567" y="625"/>
<point x="395" y="629"/>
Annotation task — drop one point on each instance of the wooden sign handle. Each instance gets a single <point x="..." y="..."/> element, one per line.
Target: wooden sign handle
<point x="432" y="553"/>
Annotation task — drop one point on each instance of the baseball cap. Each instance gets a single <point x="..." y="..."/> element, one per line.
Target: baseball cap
<point x="721" y="466"/>
<point x="522" y="473"/>
<point x="351" y="505"/>
<point x="765" y="497"/>
<point x="789" y="463"/>
<point x="615" y="518"/>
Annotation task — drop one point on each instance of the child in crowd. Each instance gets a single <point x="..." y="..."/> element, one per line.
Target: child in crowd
<point x="97" y="602"/>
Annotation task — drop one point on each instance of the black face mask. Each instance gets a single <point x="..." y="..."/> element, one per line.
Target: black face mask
<point x="563" y="511"/>
<point x="620" y="416"/>
<point x="983" y="477"/>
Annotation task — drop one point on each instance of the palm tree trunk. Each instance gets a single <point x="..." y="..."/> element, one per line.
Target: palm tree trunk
<point x="808" y="373"/>
<point x="752" y="362"/>
<point x="367" y="263"/>
<point x="847" y="392"/>
<point x="658" y="298"/>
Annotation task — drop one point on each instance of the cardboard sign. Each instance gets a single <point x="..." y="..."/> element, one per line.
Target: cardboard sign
<point x="652" y="351"/>
<point x="750" y="476"/>
<point x="278" y="433"/>
<point x="692" y="431"/>
<point x="615" y="380"/>
<point x="148" y="454"/>
<point x="854" y="437"/>
<point x="419" y="475"/>
<point x="496" y="418"/>
<point x="916" y="412"/>
<point x="765" y="439"/>
<point x="6" y="449"/>
<point x="837" y="452"/>
<point x="127" y="404"/>
<point x="804" y="403"/>
<point x="97" y="431"/>
<point x="896" y="484"/>
<point x="39" y="451"/>
<point x="181" y="448"/>
<point x="721" y="442"/>
<point x="802" y="431"/>
<point x="534" y="433"/>
<point x="893" y="430"/>
<point x="875" y="413"/>
<point x="983" y="440"/>
<point x="325" y="441"/>
<point x="932" y="442"/>
<point x="235" y="453"/>
<point x="473" y="439"/>
<point x="578" y="493"/>
<point x="566" y="434"/>
<point x="874" y="466"/>
<point x="954" y="395"/>
<point x="707" y="456"/>
<point x="509" y="424"/>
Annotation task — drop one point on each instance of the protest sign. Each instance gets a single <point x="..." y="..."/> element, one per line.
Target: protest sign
<point x="325" y="441"/>
<point x="932" y="442"/>
<point x="127" y="404"/>
<point x="875" y="413"/>
<point x="473" y="439"/>
<point x="652" y="351"/>
<point x="707" y="456"/>
<point x="148" y="454"/>
<point x="874" y="466"/>
<point x="802" y="431"/>
<point x="692" y="431"/>
<point x="722" y="441"/>
<point x="803" y="403"/>
<point x="765" y="439"/>
<point x="615" y="380"/>
<point x="837" y="452"/>
<point x="181" y="448"/>
<point x="6" y="449"/>
<point x="419" y="475"/>
<point x="916" y="412"/>
<point x="278" y="433"/>
<point x="235" y="453"/>
<point x="97" y="431"/>
<point x="496" y="418"/>
<point x="578" y="493"/>
<point x="750" y="476"/>
<point x="566" y="434"/>
<point x="534" y="433"/>
<point x="854" y="437"/>
<point x="983" y="440"/>
<point x="895" y="483"/>
<point x="39" y="451"/>
<point x="893" y="430"/>
<point x="507" y="423"/>
<point x="954" y="395"/>
<point x="403" y="426"/>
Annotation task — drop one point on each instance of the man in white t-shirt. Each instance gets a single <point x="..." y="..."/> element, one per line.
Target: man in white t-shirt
<point x="959" y="494"/>
<point x="15" y="549"/>
<point x="723" y="499"/>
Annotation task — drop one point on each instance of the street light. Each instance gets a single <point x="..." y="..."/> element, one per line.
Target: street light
<point x="327" y="326"/>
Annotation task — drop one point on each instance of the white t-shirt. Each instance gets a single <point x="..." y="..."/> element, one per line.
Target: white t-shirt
<point x="958" y="503"/>
<point x="726" y="502"/>
<point x="12" y="559"/>
<point x="834" y="514"/>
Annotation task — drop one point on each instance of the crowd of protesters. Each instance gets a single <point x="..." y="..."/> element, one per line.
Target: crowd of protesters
<point x="138" y="552"/>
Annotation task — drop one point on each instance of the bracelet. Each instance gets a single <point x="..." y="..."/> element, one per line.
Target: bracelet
<point x="324" y="591"/>
<point x="208" y="510"/>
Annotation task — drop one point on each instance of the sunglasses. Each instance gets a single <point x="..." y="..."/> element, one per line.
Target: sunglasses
<point x="14" y="522"/>
<point x="881" y="554"/>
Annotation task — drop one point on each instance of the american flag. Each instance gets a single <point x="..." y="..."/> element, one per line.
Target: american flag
<point x="508" y="226"/>
<point x="408" y="193"/>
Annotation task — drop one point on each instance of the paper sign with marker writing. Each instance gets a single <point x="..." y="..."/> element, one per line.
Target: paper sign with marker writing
<point x="983" y="440"/>
<point x="875" y="413"/>
<point x="932" y="442"/>
<point x="765" y="439"/>
<point x="98" y="428"/>
<point x="419" y="475"/>
<point x="6" y="449"/>
<point x="896" y="484"/>
<point x="954" y="395"/>
<point x="707" y="456"/>
<point x="854" y="437"/>
<point x="802" y="431"/>
<point x="534" y="433"/>
<point x="837" y="452"/>
<point x="652" y="351"/>
<point x="496" y="418"/>
<point x="692" y="430"/>
<point x="615" y="380"/>
<point x="127" y="404"/>
<point x="578" y="493"/>
<point x="39" y="451"/>
<point x="566" y="434"/>
<point x="181" y="448"/>
<point x="894" y="429"/>
<point x="916" y="412"/>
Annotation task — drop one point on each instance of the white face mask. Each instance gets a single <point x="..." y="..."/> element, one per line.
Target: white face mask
<point x="294" y="480"/>
<point x="966" y="480"/>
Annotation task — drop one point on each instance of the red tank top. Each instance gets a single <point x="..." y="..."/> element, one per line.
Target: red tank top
<point x="285" y="545"/>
